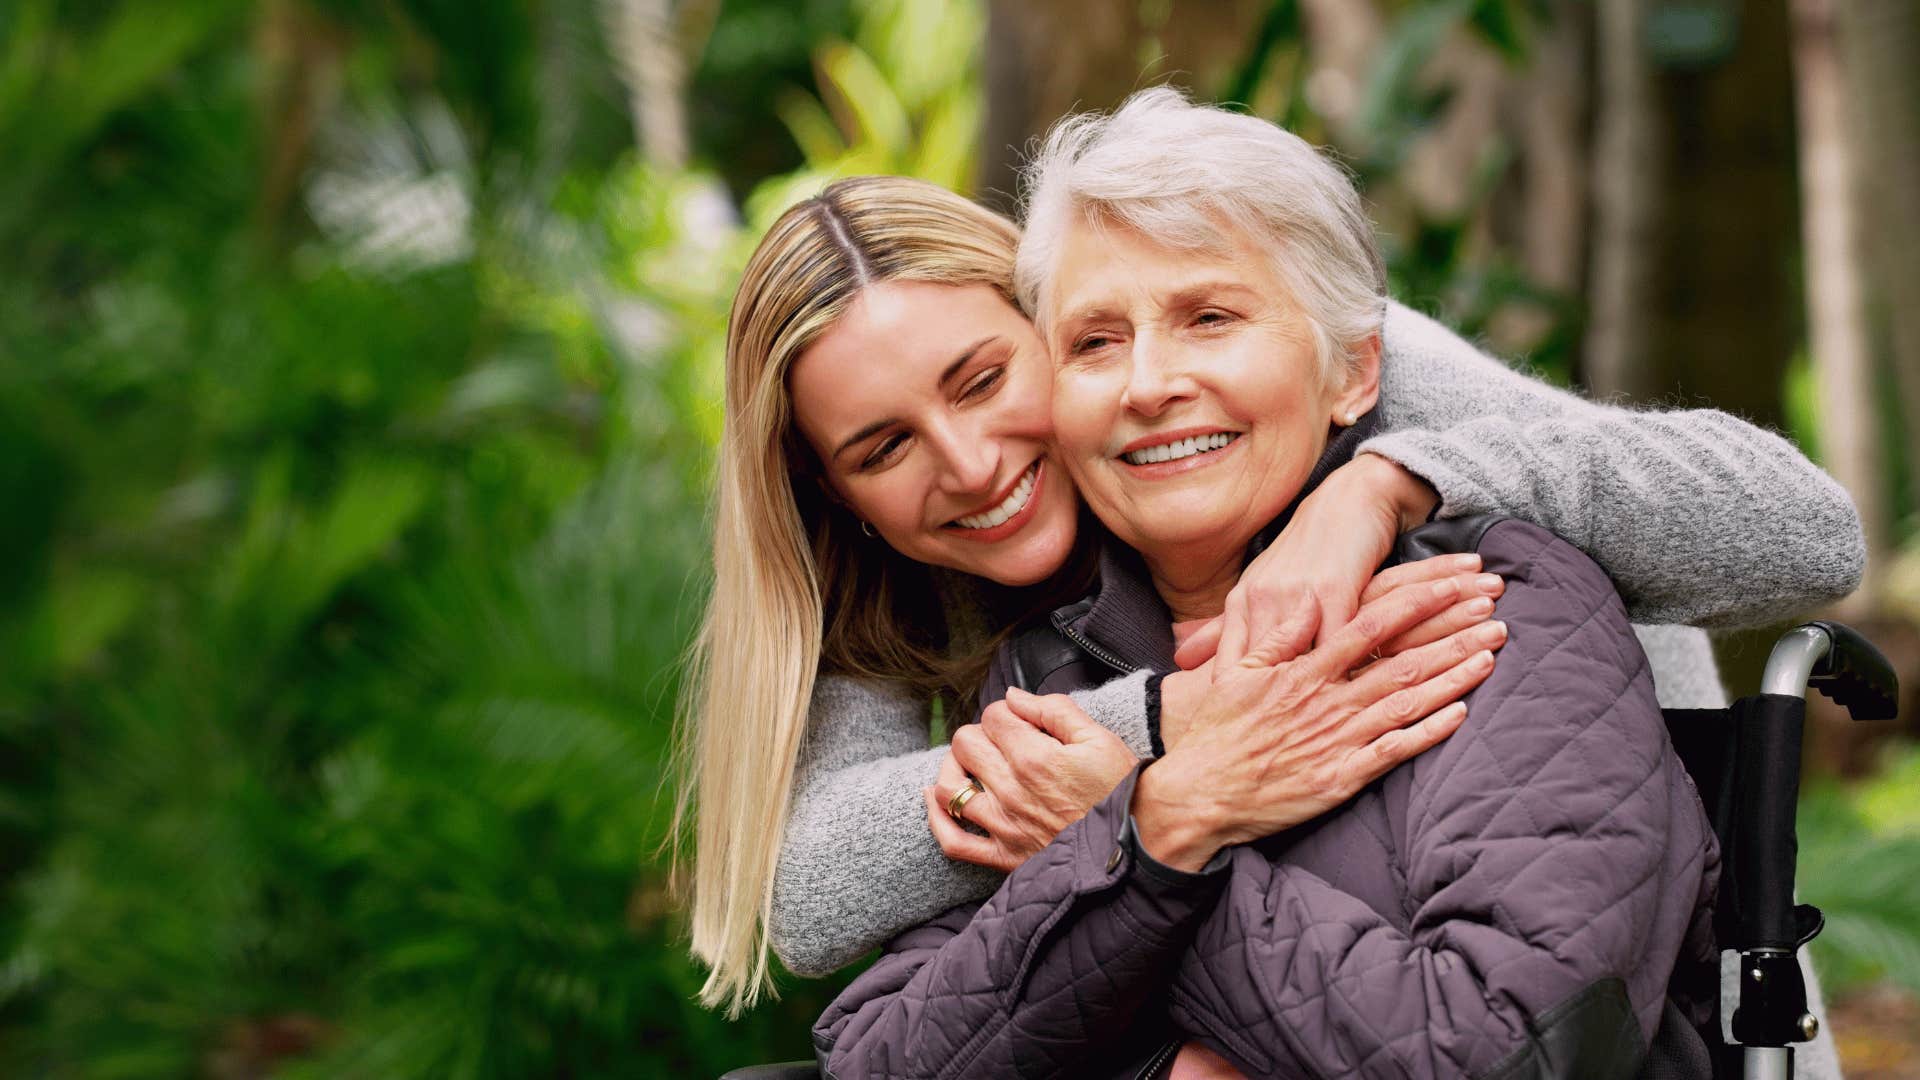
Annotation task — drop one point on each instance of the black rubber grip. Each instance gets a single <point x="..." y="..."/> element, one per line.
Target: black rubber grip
<point x="1756" y="895"/>
<point x="1855" y="675"/>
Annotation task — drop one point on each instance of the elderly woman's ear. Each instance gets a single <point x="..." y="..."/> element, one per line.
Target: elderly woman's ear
<point x="1363" y="383"/>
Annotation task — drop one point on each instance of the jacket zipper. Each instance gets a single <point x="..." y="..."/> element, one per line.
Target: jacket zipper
<point x="1159" y="1059"/>
<point x="1093" y="650"/>
<point x="1152" y="1069"/>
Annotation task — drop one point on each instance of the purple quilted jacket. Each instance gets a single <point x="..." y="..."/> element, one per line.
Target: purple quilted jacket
<point x="1529" y="898"/>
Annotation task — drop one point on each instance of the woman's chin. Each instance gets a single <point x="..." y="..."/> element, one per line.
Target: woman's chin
<point x="1033" y="556"/>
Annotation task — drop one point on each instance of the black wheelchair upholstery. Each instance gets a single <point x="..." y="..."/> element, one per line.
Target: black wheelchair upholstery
<point x="1745" y="762"/>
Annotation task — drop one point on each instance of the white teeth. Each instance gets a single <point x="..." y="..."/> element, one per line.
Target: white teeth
<point x="1015" y="502"/>
<point x="1179" y="448"/>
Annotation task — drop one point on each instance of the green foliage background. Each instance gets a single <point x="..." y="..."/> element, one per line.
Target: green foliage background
<point x="353" y="518"/>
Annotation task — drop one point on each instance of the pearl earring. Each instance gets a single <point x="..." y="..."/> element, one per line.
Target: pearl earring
<point x="1349" y="419"/>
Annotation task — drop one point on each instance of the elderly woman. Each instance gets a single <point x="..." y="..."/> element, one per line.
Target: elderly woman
<point x="1529" y="898"/>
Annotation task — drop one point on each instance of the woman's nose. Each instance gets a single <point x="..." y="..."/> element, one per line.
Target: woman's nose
<point x="971" y="460"/>
<point x="1155" y="378"/>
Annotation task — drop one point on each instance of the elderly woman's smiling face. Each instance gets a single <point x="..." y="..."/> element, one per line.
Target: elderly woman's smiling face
<point x="1188" y="403"/>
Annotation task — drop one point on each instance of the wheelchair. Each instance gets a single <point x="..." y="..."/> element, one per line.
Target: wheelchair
<point x="1745" y="762"/>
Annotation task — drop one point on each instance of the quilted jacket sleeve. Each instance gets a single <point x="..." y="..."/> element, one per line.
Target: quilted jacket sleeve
<point x="1031" y="982"/>
<point x="1556" y="865"/>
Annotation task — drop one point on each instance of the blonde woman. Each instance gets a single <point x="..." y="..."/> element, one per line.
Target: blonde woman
<point x="887" y="507"/>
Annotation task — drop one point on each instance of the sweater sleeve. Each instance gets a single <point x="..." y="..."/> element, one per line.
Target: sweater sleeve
<point x="1698" y="516"/>
<point x="1036" y="981"/>
<point x="1556" y="865"/>
<point x="858" y="864"/>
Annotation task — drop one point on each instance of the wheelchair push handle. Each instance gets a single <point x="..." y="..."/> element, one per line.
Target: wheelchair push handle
<point x="1834" y="659"/>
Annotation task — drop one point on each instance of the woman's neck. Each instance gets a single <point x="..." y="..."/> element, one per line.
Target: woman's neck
<point x="1194" y="584"/>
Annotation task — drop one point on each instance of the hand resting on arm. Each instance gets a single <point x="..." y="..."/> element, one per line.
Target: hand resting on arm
<point x="1318" y="738"/>
<point x="943" y="997"/>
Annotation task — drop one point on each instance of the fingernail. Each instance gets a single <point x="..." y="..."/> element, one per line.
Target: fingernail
<point x="1494" y="631"/>
<point x="1468" y="561"/>
<point x="1481" y="606"/>
<point x="1446" y="587"/>
<point x="1488" y="582"/>
<point x="1482" y="660"/>
<point x="1012" y="690"/>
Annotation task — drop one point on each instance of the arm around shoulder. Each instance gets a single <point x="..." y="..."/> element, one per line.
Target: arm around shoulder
<point x="1698" y="516"/>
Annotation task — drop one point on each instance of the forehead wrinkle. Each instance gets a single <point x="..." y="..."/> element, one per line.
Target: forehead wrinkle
<point x="1185" y="295"/>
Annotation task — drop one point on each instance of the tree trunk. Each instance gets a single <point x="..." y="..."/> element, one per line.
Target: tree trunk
<point x="1836" y="302"/>
<point x="1628" y="159"/>
<point x="1693" y="298"/>
<point x="1343" y="40"/>
<point x="1544" y="217"/>
<point x="299" y="57"/>
<point x="1879" y="40"/>
<point x="1729" y="314"/>
<point x="645" y="40"/>
<point x="1553" y="145"/>
<point x="1048" y="58"/>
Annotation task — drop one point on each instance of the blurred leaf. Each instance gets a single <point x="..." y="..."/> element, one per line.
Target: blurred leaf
<point x="1393" y="105"/>
<point x="807" y="120"/>
<point x="861" y="94"/>
<point x="948" y="141"/>
<point x="1279" y="26"/>
<point x="289" y="561"/>
<point x="1860" y="863"/>
<point x="87" y="610"/>
<point x="90" y="76"/>
<point x="1504" y="25"/>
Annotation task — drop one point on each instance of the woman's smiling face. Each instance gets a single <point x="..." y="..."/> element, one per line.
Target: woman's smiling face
<point x="1188" y="401"/>
<point x="928" y="409"/>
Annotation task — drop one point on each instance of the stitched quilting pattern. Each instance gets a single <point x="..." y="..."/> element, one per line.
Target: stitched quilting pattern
<point x="1551" y="843"/>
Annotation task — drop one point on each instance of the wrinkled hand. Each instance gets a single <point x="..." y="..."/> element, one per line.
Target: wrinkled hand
<point x="1181" y="692"/>
<point x="1043" y="762"/>
<point x="1319" y="564"/>
<point x="1274" y="743"/>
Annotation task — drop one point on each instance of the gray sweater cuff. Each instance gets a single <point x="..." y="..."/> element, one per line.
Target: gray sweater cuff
<point x="1459" y="496"/>
<point x="1121" y="707"/>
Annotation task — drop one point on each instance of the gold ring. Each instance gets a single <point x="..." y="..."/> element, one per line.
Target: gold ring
<point x="958" y="803"/>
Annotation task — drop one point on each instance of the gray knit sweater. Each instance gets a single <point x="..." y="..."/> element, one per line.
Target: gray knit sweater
<point x="1701" y="518"/>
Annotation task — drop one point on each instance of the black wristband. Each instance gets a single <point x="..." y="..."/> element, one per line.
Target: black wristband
<point x="1159" y="873"/>
<point x="1154" y="744"/>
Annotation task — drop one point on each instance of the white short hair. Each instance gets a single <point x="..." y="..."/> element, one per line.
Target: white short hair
<point x="1187" y="175"/>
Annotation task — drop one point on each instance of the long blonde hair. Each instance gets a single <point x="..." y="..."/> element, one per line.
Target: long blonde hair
<point x="797" y="588"/>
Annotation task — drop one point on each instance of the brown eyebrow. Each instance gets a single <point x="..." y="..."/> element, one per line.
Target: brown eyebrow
<point x="946" y="376"/>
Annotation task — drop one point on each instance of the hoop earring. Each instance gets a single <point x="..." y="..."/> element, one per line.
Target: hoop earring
<point x="867" y="528"/>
